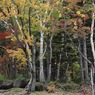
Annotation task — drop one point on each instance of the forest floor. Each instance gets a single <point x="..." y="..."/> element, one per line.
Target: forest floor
<point x="19" y="91"/>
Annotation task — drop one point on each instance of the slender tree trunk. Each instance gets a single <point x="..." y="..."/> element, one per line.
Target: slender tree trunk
<point x="15" y="68"/>
<point x="10" y="68"/>
<point x="92" y="32"/>
<point x="81" y="64"/>
<point x="48" y="58"/>
<point x="31" y="64"/>
<point x="49" y="73"/>
<point x="85" y="61"/>
<point x="34" y="68"/>
<point x="92" y="83"/>
<point x="29" y="86"/>
<point x="58" y="68"/>
<point x="92" y="47"/>
<point x="41" y="77"/>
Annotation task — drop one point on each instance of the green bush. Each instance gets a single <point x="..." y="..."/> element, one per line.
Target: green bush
<point x="76" y="72"/>
<point x="70" y="86"/>
<point x="59" y="85"/>
<point x="39" y="86"/>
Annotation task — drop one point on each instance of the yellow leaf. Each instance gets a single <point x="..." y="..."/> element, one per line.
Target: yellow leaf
<point x="75" y="27"/>
<point x="60" y="15"/>
<point x="75" y="23"/>
<point x="82" y="15"/>
<point x="78" y="12"/>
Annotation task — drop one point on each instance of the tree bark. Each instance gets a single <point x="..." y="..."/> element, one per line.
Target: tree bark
<point x="41" y="77"/>
<point x="81" y="64"/>
<point x="31" y="64"/>
<point x="10" y="68"/>
<point x="92" y="47"/>
<point x="92" y="83"/>
<point x="34" y="68"/>
<point x="85" y="62"/>
<point x="48" y="58"/>
<point x="15" y="68"/>
<point x="58" y="68"/>
<point x="91" y="36"/>
<point x="31" y="84"/>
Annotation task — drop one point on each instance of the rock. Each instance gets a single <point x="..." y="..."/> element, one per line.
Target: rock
<point x="6" y="84"/>
<point x="20" y="82"/>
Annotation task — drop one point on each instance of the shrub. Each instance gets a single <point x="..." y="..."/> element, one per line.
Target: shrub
<point x="59" y="85"/>
<point x="70" y="86"/>
<point x="39" y="86"/>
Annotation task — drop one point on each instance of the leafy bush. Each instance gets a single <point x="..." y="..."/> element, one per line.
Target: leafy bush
<point x="59" y="85"/>
<point x="76" y="72"/>
<point x="39" y="86"/>
<point x="68" y="86"/>
<point x="71" y="86"/>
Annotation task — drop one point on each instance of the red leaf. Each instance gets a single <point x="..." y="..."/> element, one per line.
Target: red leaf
<point x="6" y="47"/>
<point x="4" y="34"/>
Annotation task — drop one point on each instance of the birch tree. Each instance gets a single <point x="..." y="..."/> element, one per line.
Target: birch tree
<point x="15" y="16"/>
<point x="92" y="46"/>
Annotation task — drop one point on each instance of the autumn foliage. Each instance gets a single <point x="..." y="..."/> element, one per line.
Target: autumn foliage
<point x="4" y="34"/>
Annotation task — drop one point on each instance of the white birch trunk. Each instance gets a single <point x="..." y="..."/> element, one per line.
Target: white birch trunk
<point x="91" y="37"/>
<point x="92" y="83"/>
<point x="41" y="77"/>
<point x="93" y="49"/>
